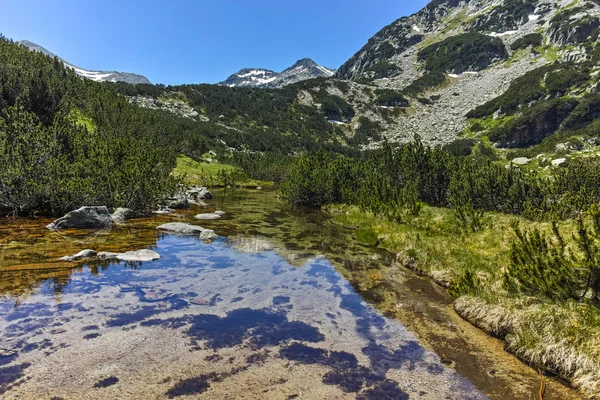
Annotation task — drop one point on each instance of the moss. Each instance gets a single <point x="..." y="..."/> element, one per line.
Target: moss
<point x="367" y="236"/>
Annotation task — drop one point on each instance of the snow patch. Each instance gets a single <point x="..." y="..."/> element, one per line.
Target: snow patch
<point x="507" y="33"/>
<point x="416" y="28"/>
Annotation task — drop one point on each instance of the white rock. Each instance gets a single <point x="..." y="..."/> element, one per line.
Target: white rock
<point x="139" y="255"/>
<point x="558" y="161"/>
<point x="207" y="216"/>
<point x="521" y="160"/>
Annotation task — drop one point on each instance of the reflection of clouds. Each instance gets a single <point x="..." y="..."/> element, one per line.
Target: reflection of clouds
<point x="251" y="244"/>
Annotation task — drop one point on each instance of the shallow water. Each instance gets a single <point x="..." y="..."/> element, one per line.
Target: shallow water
<point x="281" y="306"/>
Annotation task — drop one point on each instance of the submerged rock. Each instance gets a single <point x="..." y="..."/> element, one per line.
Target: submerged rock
<point x="208" y="216"/>
<point x="181" y="228"/>
<point x="220" y="213"/>
<point x="84" y="218"/>
<point x="163" y="211"/>
<point x="80" y="256"/>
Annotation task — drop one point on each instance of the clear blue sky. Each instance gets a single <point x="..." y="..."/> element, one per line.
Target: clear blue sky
<point x="194" y="41"/>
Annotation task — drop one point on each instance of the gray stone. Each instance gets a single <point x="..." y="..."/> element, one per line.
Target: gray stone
<point x="83" y="254"/>
<point x="122" y="214"/>
<point x="181" y="228"/>
<point x="208" y="216"/>
<point x="208" y="234"/>
<point x="558" y="161"/>
<point x="178" y="202"/>
<point x="521" y="160"/>
<point x="138" y="255"/>
<point x="199" y="193"/>
<point x="84" y="218"/>
<point x="219" y="212"/>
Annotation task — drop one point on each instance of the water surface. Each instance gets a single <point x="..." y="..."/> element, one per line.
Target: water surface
<point x="282" y="306"/>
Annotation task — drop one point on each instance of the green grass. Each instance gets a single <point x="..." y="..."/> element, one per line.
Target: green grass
<point x="214" y="174"/>
<point x="559" y="337"/>
<point x="83" y="120"/>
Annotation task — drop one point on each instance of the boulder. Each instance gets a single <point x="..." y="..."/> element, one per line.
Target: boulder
<point x="521" y="160"/>
<point x="84" y="218"/>
<point x="199" y="193"/>
<point x="208" y="216"/>
<point x="138" y="255"/>
<point x="558" y="162"/>
<point x="122" y="214"/>
<point x="181" y="228"/>
<point x="208" y="234"/>
<point x="80" y="256"/>
<point x="178" y="202"/>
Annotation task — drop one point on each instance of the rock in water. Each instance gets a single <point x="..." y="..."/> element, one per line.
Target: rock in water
<point x="178" y="202"/>
<point x="139" y="255"/>
<point x="187" y="229"/>
<point x="84" y="218"/>
<point x="80" y="256"/>
<point x="208" y="216"/>
<point x="201" y="193"/>
<point x="123" y="214"/>
<point x="219" y="212"/>
<point x="208" y="234"/>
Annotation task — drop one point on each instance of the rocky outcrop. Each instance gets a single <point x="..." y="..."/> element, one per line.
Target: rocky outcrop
<point x="178" y="202"/>
<point x="85" y="217"/>
<point x="174" y="107"/>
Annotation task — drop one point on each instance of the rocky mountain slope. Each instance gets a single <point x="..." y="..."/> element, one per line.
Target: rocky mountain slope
<point x="257" y="77"/>
<point x="453" y="57"/>
<point x="98" y="76"/>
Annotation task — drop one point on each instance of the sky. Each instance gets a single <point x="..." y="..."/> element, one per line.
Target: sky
<point x="199" y="41"/>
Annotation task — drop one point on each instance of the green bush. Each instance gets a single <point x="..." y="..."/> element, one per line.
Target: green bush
<point x="532" y="39"/>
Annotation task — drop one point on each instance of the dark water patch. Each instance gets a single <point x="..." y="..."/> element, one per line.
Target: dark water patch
<point x="236" y="299"/>
<point x="259" y="357"/>
<point x="346" y="373"/>
<point x="220" y="262"/>
<point x="325" y="271"/>
<point x="200" y="384"/>
<point x="215" y="299"/>
<point x="11" y="374"/>
<point x="411" y="354"/>
<point x="261" y="327"/>
<point x="30" y="311"/>
<point x="111" y="380"/>
<point x="8" y="358"/>
<point x="386" y="390"/>
<point x="280" y="300"/>
<point x="123" y="319"/>
<point x="90" y="328"/>
<point x="91" y="336"/>
<point x="178" y="304"/>
<point x="64" y="306"/>
<point x="44" y="344"/>
<point x="33" y="325"/>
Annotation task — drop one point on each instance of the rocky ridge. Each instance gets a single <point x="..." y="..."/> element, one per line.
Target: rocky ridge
<point x="257" y="77"/>
<point x="98" y="76"/>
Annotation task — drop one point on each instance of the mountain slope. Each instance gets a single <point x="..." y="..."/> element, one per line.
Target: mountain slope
<point x="454" y="56"/>
<point x="257" y="77"/>
<point x="98" y="76"/>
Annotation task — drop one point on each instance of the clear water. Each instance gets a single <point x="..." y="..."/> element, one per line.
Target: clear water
<point x="266" y="311"/>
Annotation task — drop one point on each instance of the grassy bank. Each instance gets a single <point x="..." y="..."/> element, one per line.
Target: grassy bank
<point x="211" y="174"/>
<point x="559" y="337"/>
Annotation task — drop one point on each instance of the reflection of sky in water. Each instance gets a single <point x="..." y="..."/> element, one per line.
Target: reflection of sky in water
<point x="220" y="299"/>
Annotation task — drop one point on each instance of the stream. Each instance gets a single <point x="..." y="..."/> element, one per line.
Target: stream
<point x="281" y="306"/>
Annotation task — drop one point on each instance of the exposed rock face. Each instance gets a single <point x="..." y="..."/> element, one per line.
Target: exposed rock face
<point x="98" y="76"/>
<point x="84" y="218"/>
<point x="257" y="77"/>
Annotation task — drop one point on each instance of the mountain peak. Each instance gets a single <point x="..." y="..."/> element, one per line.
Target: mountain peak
<point x="302" y="69"/>
<point x="98" y="76"/>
